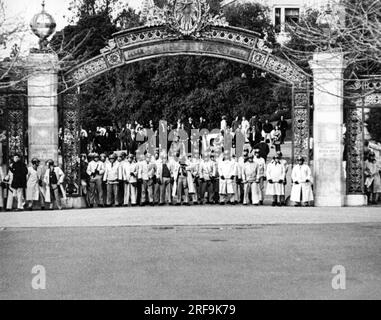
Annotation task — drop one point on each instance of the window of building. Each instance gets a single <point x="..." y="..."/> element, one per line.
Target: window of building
<point x="278" y="20"/>
<point x="291" y="15"/>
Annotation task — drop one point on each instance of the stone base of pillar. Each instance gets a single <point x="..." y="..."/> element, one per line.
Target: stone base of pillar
<point x="327" y="201"/>
<point x="356" y="200"/>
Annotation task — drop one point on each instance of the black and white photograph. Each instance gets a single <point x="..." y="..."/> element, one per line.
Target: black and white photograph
<point x="207" y="151"/>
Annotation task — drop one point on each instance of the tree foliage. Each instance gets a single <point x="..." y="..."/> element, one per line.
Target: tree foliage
<point x="176" y="87"/>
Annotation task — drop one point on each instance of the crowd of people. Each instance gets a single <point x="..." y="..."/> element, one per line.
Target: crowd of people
<point x="24" y="187"/>
<point x="124" y="180"/>
<point x="175" y="177"/>
<point x="132" y="135"/>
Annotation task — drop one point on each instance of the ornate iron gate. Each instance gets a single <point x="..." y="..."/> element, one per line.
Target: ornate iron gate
<point x="362" y="95"/>
<point x="301" y="121"/>
<point x="70" y="141"/>
<point x="13" y="124"/>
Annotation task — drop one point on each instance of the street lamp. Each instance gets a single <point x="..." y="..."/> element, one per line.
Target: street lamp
<point x="43" y="26"/>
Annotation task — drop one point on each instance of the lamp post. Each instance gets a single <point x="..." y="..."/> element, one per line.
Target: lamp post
<point x="43" y="26"/>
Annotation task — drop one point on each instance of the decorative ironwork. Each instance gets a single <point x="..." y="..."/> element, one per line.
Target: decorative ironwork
<point x="301" y="99"/>
<point x="301" y="130"/>
<point x="355" y="151"/>
<point x="71" y="143"/>
<point x="16" y="132"/>
<point x="187" y="27"/>
<point x="13" y="123"/>
<point x="170" y="36"/>
<point x="362" y="94"/>
<point x="187" y="17"/>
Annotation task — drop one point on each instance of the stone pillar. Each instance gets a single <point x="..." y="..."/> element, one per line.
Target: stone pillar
<point x="42" y="106"/>
<point x="328" y="69"/>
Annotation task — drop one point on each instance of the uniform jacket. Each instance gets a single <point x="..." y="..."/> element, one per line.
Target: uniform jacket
<point x="129" y="172"/>
<point x="113" y="172"/>
<point x="95" y="166"/>
<point x="250" y="172"/>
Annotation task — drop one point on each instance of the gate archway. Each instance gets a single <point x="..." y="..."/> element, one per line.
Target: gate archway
<point x="168" y="33"/>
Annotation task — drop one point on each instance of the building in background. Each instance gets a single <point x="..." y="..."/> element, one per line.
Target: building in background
<point x="283" y="12"/>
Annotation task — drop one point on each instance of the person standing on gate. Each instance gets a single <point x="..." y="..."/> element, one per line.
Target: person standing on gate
<point x="302" y="184"/>
<point x="34" y="185"/>
<point x="54" y="178"/>
<point x="276" y="176"/>
<point x="19" y="172"/>
<point x="95" y="170"/>
<point x="112" y="176"/>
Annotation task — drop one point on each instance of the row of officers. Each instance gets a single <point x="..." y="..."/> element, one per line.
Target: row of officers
<point x="122" y="180"/>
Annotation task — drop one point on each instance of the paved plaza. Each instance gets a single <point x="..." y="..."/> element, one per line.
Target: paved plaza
<point x="188" y="216"/>
<point x="192" y="253"/>
<point x="195" y="262"/>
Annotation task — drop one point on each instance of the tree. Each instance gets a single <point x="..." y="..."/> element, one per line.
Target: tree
<point x="11" y="31"/>
<point x="350" y="26"/>
<point x="178" y="87"/>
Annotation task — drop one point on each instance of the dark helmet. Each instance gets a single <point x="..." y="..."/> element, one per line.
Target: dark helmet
<point x="35" y="161"/>
<point x="50" y="162"/>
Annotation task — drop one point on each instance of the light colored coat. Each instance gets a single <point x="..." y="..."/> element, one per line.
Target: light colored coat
<point x="227" y="169"/>
<point x="207" y="170"/>
<point x="113" y="173"/>
<point x="275" y="172"/>
<point x="250" y="172"/>
<point x="127" y="169"/>
<point x="301" y="192"/>
<point x="261" y="166"/>
<point x="32" y="185"/>
<point x="60" y="178"/>
<point x="93" y="166"/>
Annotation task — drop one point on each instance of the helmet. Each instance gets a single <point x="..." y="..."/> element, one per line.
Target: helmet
<point x="35" y="161"/>
<point x="50" y="162"/>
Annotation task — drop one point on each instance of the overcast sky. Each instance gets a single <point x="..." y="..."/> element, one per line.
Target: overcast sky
<point x="26" y="9"/>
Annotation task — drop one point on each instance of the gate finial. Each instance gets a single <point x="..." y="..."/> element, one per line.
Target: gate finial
<point x="43" y="26"/>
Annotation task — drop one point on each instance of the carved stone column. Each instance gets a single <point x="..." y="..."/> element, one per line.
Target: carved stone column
<point x="328" y="69"/>
<point x="42" y="106"/>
